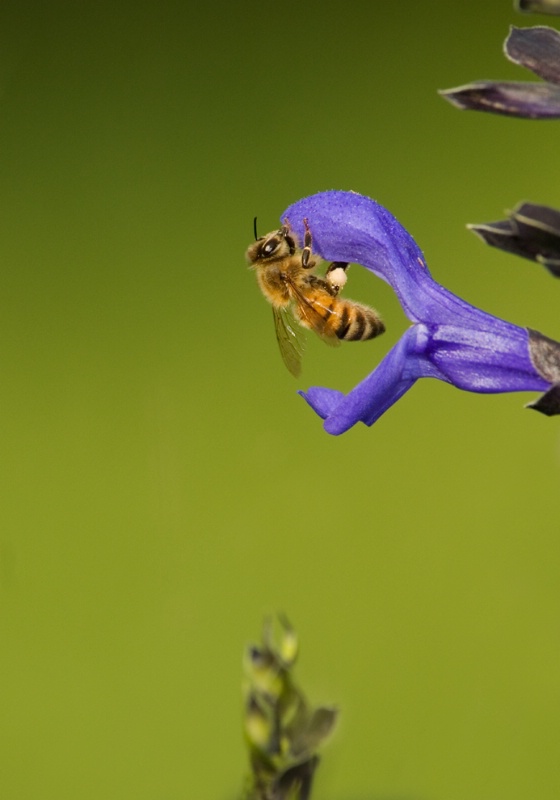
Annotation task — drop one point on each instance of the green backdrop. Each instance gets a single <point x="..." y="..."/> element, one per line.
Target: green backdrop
<point x="162" y="485"/>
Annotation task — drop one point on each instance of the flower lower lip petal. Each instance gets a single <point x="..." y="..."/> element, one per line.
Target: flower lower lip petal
<point x="323" y="401"/>
<point x="373" y="396"/>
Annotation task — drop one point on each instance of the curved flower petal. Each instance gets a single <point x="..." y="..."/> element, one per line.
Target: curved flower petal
<point x="349" y="227"/>
<point x="451" y="340"/>
<point x="352" y="228"/>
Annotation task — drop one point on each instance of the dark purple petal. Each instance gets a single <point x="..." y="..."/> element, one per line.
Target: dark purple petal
<point x="504" y="236"/>
<point x="545" y="355"/>
<point x="539" y="6"/>
<point x="352" y="228"/>
<point x="538" y="221"/>
<point x="549" y="402"/>
<point x="537" y="49"/>
<point x="539" y="226"/>
<point x="510" y="98"/>
<point x="532" y="231"/>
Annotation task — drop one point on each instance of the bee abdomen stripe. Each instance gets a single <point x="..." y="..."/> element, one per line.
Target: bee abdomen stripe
<point x="329" y="310"/>
<point x="358" y="327"/>
<point x="376" y="328"/>
<point x="344" y="324"/>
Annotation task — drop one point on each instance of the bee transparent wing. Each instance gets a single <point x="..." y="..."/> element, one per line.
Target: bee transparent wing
<point x="291" y="339"/>
<point x="315" y="311"/>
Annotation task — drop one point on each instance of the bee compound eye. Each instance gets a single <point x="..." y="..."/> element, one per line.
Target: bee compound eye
<point x="269" y="247"/>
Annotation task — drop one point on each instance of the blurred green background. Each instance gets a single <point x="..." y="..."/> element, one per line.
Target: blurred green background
<point x="163" y="486"/>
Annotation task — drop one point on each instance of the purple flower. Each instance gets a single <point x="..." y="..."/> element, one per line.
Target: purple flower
<point x="449" y="339"/>
<point x="537" y="49"/>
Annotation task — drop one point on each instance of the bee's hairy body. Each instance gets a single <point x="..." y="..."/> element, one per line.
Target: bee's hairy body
<point x="286" y="278"/>
<point x="344" y="319"/>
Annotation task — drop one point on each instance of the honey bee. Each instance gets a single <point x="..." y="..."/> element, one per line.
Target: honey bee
<point x="286" y="276"/>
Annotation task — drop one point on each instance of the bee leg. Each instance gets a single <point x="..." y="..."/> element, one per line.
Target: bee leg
<point x="336" y="276"/>
<point x="306" y="252"/>
<point x="286" y="233"/>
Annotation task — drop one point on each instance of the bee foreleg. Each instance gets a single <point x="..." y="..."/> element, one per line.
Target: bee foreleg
<point x="306" y="252"/>
<point x="286" y="233"/>
<point x="336" y="276"/>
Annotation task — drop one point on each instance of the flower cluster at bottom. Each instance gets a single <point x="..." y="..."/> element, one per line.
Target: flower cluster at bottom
<point x="283" y="731"/>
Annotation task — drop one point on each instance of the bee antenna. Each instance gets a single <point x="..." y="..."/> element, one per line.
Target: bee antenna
<point x="255" y="228"/>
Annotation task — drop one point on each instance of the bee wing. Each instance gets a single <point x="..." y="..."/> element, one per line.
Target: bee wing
<point x="314" y="312"/>
<point x="291" y="339"/>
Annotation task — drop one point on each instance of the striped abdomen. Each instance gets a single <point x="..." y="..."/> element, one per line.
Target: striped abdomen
<point x="331" y="316"/>
<point x="353" y="322"/>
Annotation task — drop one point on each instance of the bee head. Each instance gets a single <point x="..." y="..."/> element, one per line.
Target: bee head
<point x="277" y="244"/>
